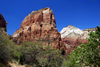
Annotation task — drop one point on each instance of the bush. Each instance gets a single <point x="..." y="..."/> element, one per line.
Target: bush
<point x="50" y="57"/>
<point x="34" y="54"/>
<point x="6" y="47"/>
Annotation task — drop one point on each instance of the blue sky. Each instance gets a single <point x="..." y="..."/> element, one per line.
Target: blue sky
<point x="79" y="13"/>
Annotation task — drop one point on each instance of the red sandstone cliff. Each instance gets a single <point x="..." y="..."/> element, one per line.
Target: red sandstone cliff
<point x="40" y="25"/>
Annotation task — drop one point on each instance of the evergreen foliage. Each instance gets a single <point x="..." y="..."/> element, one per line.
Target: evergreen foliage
<point x="86" y="54"/>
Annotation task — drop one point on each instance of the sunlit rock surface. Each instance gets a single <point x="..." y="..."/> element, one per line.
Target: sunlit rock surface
<point x="39" y="25"/>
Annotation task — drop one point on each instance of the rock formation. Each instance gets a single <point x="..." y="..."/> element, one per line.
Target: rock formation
<point x="3" y="23"/>
<point x="73" y="32"/>
<point x="72" y="37"/>
<point x="90" y="29"/>
<point x="39" y="25"/>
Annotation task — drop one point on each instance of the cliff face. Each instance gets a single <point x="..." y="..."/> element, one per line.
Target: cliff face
<point x="72" y="37"/>
<point x="39" y="25"/>
<point x="3" y="23"/>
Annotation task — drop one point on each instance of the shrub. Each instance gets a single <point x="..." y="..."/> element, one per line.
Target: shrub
<point x="34" y="54"/>
<point x="50" y="57"/>
<point x="6" y="47"/>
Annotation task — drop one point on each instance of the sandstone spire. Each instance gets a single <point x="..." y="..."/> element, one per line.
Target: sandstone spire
<point x="39" y="25"/>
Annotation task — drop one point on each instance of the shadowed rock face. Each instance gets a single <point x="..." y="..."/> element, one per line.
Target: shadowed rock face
<point x="39" y="25"/>
<point x="71" y="44"/>
<point x="3" y="23"/>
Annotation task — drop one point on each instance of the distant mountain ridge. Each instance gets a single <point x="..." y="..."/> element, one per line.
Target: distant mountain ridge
<point x="73" y="32"/>
<point x="89" y="29"/>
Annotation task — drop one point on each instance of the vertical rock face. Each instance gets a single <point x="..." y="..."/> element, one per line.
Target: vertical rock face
<point x="3" y="23"/>
<point x="39" y="25"/>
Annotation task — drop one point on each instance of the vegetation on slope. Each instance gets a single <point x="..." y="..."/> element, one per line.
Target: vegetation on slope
<point x="6" y="49"/>
<point x="30" y="53"/>
<point x="37" y="55"/>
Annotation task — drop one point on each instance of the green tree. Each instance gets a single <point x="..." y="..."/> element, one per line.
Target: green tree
<point x="6" y="47"/>
<point x="35" y="54"/>
<point x="50" y="57"/>
<point x="87" y="54"/>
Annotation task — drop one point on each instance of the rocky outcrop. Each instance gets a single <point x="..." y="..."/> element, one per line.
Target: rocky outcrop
<point x="72" y="37"/>
<point x="3" y="23"/>
<point x="39" y="25"/>
<point x="89" y="29"/>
